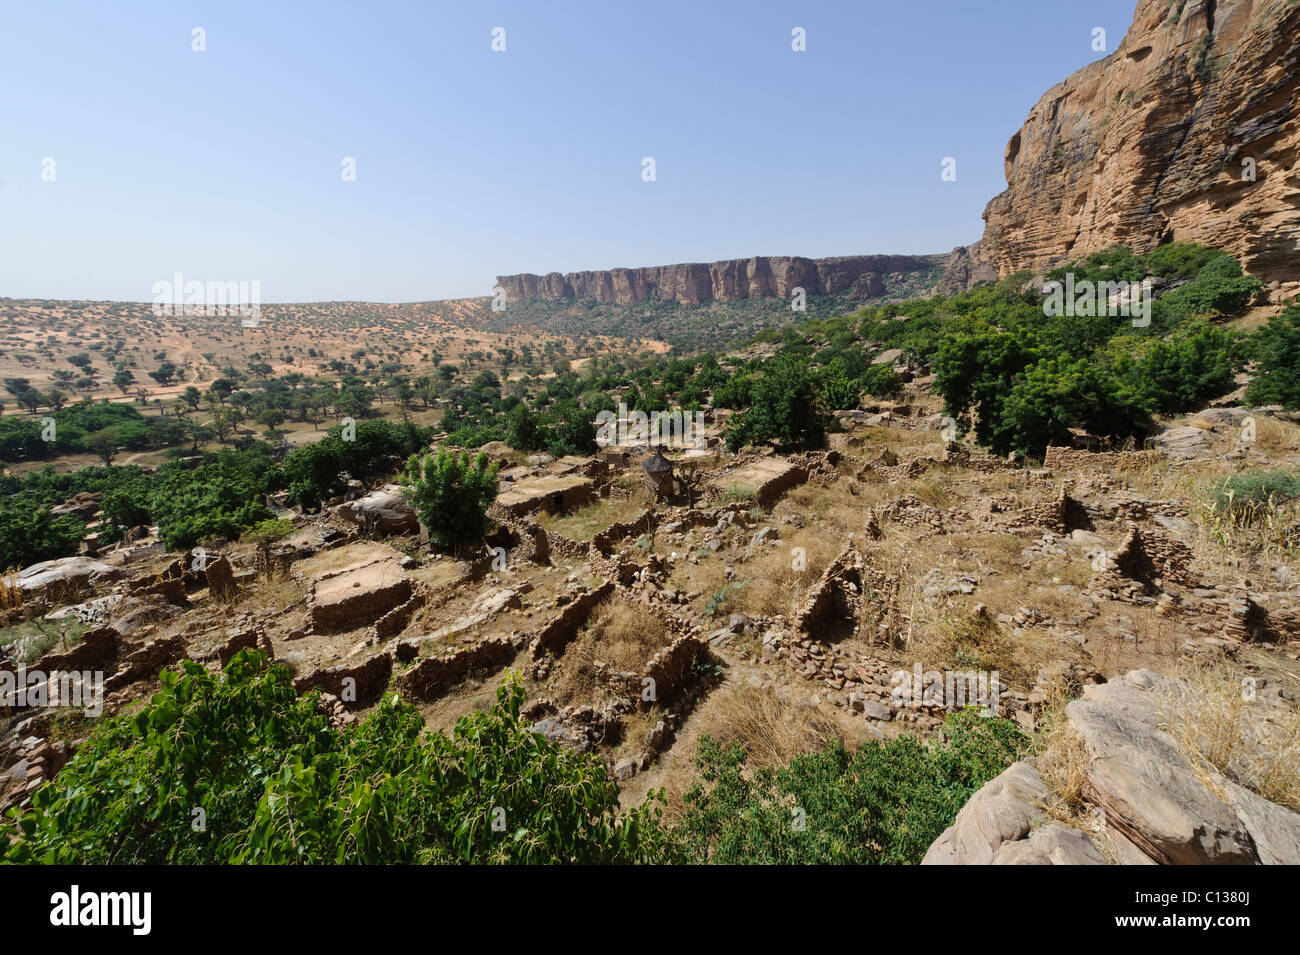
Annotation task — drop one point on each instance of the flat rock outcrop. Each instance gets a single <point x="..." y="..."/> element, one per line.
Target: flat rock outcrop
<point x="763" y="276"/>
<point x="1155" y="804"/>
<point x="69" y="572"/>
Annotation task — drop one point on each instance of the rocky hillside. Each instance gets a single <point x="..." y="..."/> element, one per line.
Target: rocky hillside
<point x="860" y="276"/>
<point x="1149" y="144"/>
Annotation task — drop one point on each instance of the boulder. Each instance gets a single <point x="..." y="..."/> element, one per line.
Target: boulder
<point x="1184" y="443"/>
<point x="1147" y="788"/>
<point x="386" y="511"/>
<point x="66" y="572"/>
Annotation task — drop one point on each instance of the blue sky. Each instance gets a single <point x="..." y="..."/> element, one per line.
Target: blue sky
<point x="226" y="164"/>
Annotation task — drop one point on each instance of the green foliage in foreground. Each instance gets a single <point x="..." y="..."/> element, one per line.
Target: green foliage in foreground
<point x="884" y="804"/>
<point x="277" y="785"/>
<point x="236" y="767"/>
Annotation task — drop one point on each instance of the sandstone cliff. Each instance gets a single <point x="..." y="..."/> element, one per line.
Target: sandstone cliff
<point x="861" y="276"/>
<point x="1148" y="144"/>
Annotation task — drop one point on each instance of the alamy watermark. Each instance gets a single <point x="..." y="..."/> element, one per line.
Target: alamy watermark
<point x="950" y="689"/>
<point x="1088" y="298"/>
<point x="194" y="298"/>
<point x="79" y="688"/>
<point x="658" y="429"/>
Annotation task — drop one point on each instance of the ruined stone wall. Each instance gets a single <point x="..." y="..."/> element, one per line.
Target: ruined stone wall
<point x="370" y="680"/>
<point x="556" y="633"/>
<point x="1076" y="458"/>
<point x="433" y="676"/>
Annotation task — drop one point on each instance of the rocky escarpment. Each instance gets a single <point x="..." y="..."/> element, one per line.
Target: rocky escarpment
<point x="860" y="276"/>
<point x="1157" y="141"/>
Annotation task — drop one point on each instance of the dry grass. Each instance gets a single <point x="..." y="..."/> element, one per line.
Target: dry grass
<point x="1062" y="760"/>
<point x="585" y="523"/>
<point x="1276" y="437"/>
<point x="772" y="731"/>
<point x="11" y="595"/>
<point x="620" y="635"/>
<point x="955" y="635"/>
<point x="777" y="583"/>
<point x="1221" y="727"/>
<point x="275" y="593"/>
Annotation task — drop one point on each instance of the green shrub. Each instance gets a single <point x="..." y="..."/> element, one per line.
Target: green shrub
<point x="1276" y="349"/>
<point x="880" y="381"/>
<point x="884" y="804"/>
<point x="1250" y="491"/>
<point x="29" y="535"/>
<point x="451" y="495"/>
<point x="1220" y="288"/>
<point x="238" y="768"/>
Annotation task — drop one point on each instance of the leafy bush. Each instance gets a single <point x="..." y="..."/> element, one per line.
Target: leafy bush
<point x="1248" y="492"/>
<point x="237" y="768"/>
<point x="1220" y="288"/>
<point x="880" y="381"/>
<point x="884" y="804"/>
<point x="1276" y="348"/>
<point x="785" y="407"/>
<point x="451" y="494"/>
<point x="30" y="535"/>
<point x="219" y="498"/>
<point x="1191" y="368"/>
<point x="1054" y="396"/>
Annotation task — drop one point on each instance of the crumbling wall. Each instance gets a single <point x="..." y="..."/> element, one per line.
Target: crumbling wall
<point x="555" y="634"/>
<point x="369" y="680"/>
<point x="433" y="676"/>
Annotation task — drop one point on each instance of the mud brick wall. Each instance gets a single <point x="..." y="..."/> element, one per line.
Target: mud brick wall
<point x="434" y="676"/>
<point x="1075" y="458"/>
<point x="369" y="603"/>
<point x="835" y="601"/>
<point x="395" y="621"/>
<point x="604" y="540"/>
<point x="672" y="668"/>
<point x="555" y="634"/>
<point x="371" y="677"/>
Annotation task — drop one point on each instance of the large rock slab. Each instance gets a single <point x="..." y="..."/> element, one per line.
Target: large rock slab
<point x="1157" y="807"/>
<point x="1147" y="788"/>
<point x="1002" y="811"/>
<point x="386" y="510"/>
<point x="1184" y="443"/>
<point x="66" y="572"/>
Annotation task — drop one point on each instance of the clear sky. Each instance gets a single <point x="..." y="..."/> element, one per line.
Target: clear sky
<point x="227" y="164"/>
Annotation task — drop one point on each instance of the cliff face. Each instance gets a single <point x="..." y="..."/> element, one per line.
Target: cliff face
<point x="862" y="276"/>
<point x="1148" y="143"/>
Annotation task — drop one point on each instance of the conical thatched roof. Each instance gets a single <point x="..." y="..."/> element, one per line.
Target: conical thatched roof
<point x="657" y="464"/>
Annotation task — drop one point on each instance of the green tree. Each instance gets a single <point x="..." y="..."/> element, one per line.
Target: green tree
<point x="785" y="406"/>
<point x="1276" y="347"/>
<point x="451" y="494"/>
